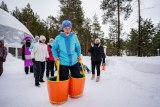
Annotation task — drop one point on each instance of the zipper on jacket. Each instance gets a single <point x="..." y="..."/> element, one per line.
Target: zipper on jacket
<point x="68" y="50"/>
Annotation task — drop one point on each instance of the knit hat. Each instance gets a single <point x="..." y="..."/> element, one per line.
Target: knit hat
<point x="97" y="40"/>
<point x="36" y="38"/>
<point x="27" y="38"/>
<point x="66" y="23"/>
<point x="42" y="37"/>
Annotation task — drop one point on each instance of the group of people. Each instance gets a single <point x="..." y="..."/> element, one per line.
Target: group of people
<point x="65" y="49"/>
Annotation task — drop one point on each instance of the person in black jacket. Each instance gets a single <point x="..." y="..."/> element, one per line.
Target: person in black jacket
<point x="97" y="56"/>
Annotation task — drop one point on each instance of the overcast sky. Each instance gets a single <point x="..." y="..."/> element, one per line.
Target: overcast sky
<point x="44" y="8"/>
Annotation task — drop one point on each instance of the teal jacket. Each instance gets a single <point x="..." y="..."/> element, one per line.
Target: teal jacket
<point x="32" y="45"/>
<point x="66" y="48"/>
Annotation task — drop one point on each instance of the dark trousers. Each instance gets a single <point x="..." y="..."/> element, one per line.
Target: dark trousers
<point x="42" y="70"/>
<point x="64" y="71"/>
<point x="39" y="72"/>
<point x="34" y="68"/>
<point x="27" y="69"/>
<point x="50" y="68"/>
<point x="1" y="67"/>
<point x="97" y="65"/>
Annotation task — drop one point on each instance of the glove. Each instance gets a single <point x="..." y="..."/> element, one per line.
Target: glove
<point x="33" y="60"/>
<point x="99" y="45"/>
<point x="47" y="60"/>
<point x="3" y="60"/>
<point x="79" y="58"/>
<point x="57" y="61"/>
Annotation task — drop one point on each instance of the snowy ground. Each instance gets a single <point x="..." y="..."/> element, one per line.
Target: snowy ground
<point x="127" y="82"/>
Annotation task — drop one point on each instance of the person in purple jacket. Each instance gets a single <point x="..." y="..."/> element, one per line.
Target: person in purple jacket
<point x="26" y="55"/>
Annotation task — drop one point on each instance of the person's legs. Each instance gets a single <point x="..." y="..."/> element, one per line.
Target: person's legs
<point x="63" y="72"/>
<point x="1" y="67"/>
<point x="98" y="64"/>
<point x="26" y="70"/>
<point x="42" y="71"/>
<point x="31" y="69"/>
<point x="37" y="72"/>
<point x="48" y="68"/>
<point x="52" y="68"/>
<point x="93" y="70"/>
<point x="75" y="72"/>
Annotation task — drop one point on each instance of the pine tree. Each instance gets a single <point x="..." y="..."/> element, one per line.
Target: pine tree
<point x="4" y="6"/>
<point x="96" y="29"/>
<point x="16" y="13"/>
<point x="113" y="7"/>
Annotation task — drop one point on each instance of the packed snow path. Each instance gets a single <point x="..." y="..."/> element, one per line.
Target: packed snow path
<point x="127" y="82"/>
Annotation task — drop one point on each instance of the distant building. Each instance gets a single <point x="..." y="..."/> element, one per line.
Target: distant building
<point x="12" y="32"/>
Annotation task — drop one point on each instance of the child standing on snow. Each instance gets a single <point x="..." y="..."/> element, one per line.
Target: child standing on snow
<point x="39" y="55"/>
<point x="3" y="55"/>
<point x="50" y="60"/>
<point x="66" y="48"/>
<point x="26" y="55"/>
<point x="97" y="56"/>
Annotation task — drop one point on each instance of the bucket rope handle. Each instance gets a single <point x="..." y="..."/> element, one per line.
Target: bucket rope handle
<point x="80" y="61"/>
<point x="58" y="65"/>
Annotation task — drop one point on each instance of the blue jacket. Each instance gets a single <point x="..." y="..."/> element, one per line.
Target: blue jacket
<point x="32" y="45"/>
<point x="66" y="48"/>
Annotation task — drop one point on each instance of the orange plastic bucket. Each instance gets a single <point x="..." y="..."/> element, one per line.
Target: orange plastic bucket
<point x="76" y="86"/>
<point x="58" y="91"/>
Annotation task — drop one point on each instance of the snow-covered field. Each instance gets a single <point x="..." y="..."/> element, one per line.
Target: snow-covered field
<point x="127" y="82"/>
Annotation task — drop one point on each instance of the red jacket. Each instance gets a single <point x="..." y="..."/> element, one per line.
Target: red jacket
<point x="51" y="58"/>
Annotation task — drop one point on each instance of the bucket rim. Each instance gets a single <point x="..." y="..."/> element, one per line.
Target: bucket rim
<point x="57" y="81"/>
<point x="77" y="78"/>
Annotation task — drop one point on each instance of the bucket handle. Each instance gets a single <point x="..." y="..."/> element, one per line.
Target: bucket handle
<point x="80" y="61"/>
<point x="58" y="65"/>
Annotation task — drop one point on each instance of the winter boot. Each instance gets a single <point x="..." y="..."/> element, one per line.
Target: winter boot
<point x="93" y="76"/>
<point x="26" y="70"/>
<point x="98" y="79"/>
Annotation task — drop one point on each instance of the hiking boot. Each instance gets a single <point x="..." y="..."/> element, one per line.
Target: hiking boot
<point x="93" y="76"/>
<point x="37" y="84"/>
<point x="41" y="80"/>
<point x="98" y="79"/>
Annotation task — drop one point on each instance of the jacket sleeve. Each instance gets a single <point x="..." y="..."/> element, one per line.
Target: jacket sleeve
<point x="31" y="47"/>
<point x="23" y="52"/>
<point x="47" y="55"/>
<point x="101" y="49"/>
<point x="91" y="49"/>
<point x="34" y="50"/>
<point x="78" y="47"/>
<point x="55" y="48"/>
<point x="5" y="53"/>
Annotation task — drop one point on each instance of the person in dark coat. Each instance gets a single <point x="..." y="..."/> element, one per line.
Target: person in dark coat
<point x="97" y="57"/>
<point x="26" y="55"/>
<point x="3" y="55"/>
<point x="50" y="60"/>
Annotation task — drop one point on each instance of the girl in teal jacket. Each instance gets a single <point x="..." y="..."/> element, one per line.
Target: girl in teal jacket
<point x="66" y="48"/>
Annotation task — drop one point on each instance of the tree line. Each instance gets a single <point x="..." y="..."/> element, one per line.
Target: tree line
<point x="88" y="29"/>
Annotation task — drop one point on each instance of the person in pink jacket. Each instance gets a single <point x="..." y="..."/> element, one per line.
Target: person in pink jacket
<point x="50" y="60"/>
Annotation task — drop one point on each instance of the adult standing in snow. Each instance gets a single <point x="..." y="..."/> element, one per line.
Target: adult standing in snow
<point x="50" y="60"/>
<point x="36" y="39"/>
<point x="97" y="56"/>
<point x="66" y="48"/>
<point x="3" y="55"/>
<point x="26" y="55"/>
<point x="39" y="55"/>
